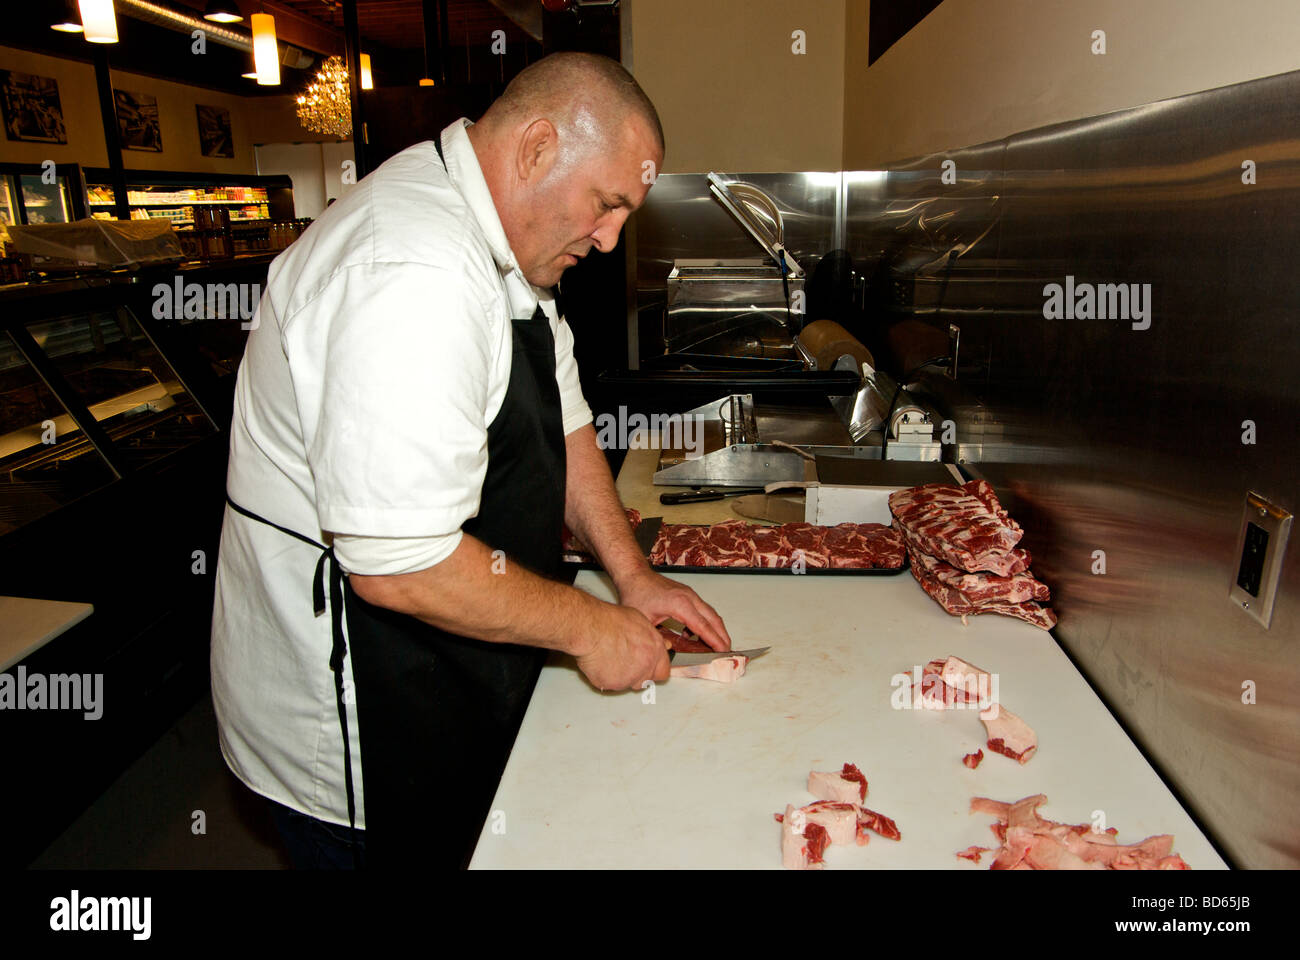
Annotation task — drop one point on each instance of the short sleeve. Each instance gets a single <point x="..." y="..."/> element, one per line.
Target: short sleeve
<point x="392" y="367"/>
<point x="573" y="405"/>
<point x="390" y="556"/>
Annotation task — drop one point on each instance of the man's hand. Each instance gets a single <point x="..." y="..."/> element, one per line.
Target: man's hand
<point x="660" y="598"/>
<point x="625" y="651"/>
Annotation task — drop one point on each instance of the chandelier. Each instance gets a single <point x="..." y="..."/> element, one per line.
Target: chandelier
<point x="326" y="105"/>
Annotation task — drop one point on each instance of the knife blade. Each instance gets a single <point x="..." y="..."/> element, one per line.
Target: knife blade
<point x="646" y="533"/>
<point x="691" y="659"/>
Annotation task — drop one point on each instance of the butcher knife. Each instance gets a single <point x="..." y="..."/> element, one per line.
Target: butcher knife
<point x="691" y="659"/>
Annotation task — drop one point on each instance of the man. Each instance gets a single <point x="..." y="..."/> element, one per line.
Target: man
<point x="408" y="413"/>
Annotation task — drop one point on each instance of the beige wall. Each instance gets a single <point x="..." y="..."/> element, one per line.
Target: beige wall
<point x="251" y="120"/>
<point x="80" y="104"/>
<point x="179" y="126"/>
<point x="730" y="93"/>
<point x="977" y="70"/>
<point x="275" y="120"/>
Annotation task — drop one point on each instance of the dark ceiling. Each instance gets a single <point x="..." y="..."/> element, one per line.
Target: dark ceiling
<point x="392" y="32"/>
<point x="399" y="24"/>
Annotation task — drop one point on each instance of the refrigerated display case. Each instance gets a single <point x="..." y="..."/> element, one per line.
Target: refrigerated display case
<point x="30" y="193"/>
<point x="245" y="214"/>
<point x="112" y="468"/>
<point x="86" y="397"/>
<point x="157" y="194"/>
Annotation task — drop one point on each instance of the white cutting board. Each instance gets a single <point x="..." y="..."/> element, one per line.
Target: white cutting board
<point x="692" y="780"/>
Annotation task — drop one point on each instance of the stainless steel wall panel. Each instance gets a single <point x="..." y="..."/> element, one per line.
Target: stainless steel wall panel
<point x="1108" y="438"/>
<point x="681" y="220"/>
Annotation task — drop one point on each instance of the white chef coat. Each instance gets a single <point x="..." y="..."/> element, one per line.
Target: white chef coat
<point x="380" y="354"/>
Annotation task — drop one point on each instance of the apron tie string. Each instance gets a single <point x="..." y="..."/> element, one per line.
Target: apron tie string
<point x="338" y="651"/>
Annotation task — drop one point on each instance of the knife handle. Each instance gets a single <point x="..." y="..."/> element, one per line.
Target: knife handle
<point x="690" y="496"/>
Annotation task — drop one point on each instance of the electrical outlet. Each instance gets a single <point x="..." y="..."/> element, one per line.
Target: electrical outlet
<point x="1261" y="544"/>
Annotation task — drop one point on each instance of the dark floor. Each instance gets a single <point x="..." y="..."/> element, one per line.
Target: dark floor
<point x="145" y="819"/>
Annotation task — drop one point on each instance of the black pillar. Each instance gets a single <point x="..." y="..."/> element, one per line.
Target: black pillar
<point x="352" y="52"/>
<point x="112" y="140"/>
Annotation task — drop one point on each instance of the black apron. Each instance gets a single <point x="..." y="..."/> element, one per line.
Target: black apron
<point x="438" y="712"/>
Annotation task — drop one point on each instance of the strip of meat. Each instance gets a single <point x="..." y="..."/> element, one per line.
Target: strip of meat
<point x="1013" y="849"/>
<point x="839" y="819"/>
<point x="863" y="545"/>
<point x="934" y="694"/>
<point x="1030" y="612"/>
<point x="885" y="545"/>
<point x="729" y="544"/>
<point x="1008" y="734"/>
<point x="1030" y="840"/>
<point x="956" y="602"/>
<point x="978" y="587"/>
<point x="970" y="683"/>
<point x="735" y="543"/>
<point x="950" y="523"/>
<point x="805" y="541"/>
<point x="1048" y="853"/>
<point x="972" y="760"/>
<point x="972" y="853"/>
<point x="982" y="491"/>
<point x="677" y="544"/>
<point x="770" y="548"/>
<point x="1024" y="813"/>
<point x="877" y="823"/>
<point x="994" y="808"/>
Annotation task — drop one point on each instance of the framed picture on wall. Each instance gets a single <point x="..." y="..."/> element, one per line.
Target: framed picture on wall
<point x="31" y="108"/>
<point x="137" y="121"/>
<point x="215" y="139"/>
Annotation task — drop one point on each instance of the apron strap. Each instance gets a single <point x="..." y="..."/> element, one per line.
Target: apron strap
<point x="338" y="651"/>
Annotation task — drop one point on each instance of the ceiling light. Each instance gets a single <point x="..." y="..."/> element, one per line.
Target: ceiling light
<point x="68" y="19"/>
<point x="266" y="56"/>
<point x="367" y="82"/>
<point x="326" y="105"/>
<point x="222" y="11"/>
<point x="99" y="20"/>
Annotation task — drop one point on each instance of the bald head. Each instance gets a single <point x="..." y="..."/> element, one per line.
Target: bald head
<point x="568" y="151"/>
<point x="589" y="98"/>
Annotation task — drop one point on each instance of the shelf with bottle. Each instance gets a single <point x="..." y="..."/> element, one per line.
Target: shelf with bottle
<point x="102" y="195"/>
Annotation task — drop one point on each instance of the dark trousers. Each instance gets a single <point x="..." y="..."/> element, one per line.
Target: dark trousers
<point x="316" y="845"/>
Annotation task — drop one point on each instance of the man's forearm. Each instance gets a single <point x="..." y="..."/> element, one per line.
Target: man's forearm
<point x="592" y="509"/>
<point x="478" y="593"/>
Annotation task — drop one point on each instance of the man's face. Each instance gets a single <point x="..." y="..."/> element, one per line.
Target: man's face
<point x="571" y="212"/>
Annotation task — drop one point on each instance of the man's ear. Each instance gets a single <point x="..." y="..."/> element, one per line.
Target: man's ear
<point x="538" y="149"/>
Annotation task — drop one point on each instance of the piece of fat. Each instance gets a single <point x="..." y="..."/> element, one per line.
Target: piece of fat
<point x="721" y="670"/>
<point x="794" y="847"/>
<point x="833" y="787"/>
<point x="1008" y="734"/>
<point x="967" y="677"/>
